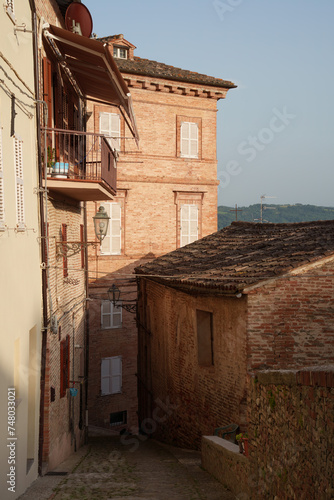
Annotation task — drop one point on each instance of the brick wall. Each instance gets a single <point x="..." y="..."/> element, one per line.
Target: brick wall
<point x="201" y="397"/>
<point x="64" y="417"/>
<point x="291" y="434"/>
<point x="153" y="181"/>
<point x="291" y="321"/>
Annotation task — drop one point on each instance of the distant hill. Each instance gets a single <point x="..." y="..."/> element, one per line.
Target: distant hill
<point x="275" y="213"/>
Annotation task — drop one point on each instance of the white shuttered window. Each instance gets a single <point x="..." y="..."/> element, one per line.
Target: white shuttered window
<point x="189" y="224"/>
<point x="111" y="375"/>
<point x="18" y="158"/>
<point x="111" y="316"/>
<point x="112" y="243"/>
<point x="189" y="140"/>
<point x="110" y="126"/>
<point x="2" y="194"/>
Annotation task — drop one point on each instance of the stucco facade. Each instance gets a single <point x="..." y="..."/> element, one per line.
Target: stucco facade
<point x="20" y="285"/>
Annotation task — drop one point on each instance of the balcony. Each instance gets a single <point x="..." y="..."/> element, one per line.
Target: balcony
<point x="79" y="165"/>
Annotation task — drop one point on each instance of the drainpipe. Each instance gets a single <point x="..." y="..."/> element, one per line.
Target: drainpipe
<point x="41" y="209"/>
<point x="86" y="329"/>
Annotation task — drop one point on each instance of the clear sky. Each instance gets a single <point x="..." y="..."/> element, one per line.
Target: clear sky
<point x="275" y="131"/>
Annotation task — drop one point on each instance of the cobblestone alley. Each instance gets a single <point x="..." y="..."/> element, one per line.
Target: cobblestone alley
<point x="108" y="469"/>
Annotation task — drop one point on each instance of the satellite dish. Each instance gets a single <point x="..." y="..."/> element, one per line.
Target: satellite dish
<point x="78" y="19"/>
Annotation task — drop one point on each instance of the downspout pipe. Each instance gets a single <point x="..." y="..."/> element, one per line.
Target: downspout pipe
<point x="42" y="229"/>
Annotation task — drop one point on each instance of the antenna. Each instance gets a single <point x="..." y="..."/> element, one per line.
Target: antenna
<point x="264" y="196"/>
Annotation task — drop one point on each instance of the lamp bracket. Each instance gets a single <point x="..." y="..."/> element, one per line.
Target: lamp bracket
<point x="70" y="248"/>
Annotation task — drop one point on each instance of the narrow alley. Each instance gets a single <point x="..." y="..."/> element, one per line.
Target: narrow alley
<point x="115" y="468"/>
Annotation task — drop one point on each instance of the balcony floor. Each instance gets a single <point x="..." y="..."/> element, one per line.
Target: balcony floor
<point x="80" y="190"/>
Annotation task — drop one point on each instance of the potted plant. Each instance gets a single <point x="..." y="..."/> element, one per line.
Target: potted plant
<point x="51" y="152"/>
<point x="243" y="443"/>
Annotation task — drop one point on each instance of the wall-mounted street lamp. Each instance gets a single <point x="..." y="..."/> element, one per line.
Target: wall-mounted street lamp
<point x="101" y="223"/>
<point x="114" y="295"/>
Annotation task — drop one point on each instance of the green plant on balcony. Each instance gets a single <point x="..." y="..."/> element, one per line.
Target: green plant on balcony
<point x="51" y="155"/>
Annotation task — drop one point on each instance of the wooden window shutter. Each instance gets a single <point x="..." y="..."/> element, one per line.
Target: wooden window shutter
<point x="189" y="139"/>
<point x="64" y="240"/>
<point x="18" y="158"/>
<point x="105" y="376"/>
<point x="112" y="243"/>
<point x="110" y="126"/>
<point x="47" y="88"/>
<point x="64" y="365"/>
<point x="2" y="194"/>
<point x="116" y="374"/>
<point x="189" y="224"/>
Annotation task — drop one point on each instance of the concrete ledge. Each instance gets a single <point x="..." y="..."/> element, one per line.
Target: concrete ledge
<point x="223" y="460"/>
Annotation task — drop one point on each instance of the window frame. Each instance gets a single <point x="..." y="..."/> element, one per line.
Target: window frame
<point x="111" y="376"/>
<point x="118" y="50"/>
<point x="189" y="140"/>
<point x="205" y="335"/>
<point x="112" y="313"/>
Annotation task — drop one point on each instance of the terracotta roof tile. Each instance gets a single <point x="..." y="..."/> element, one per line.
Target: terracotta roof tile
<point x="146" y="67"/>
<point x="244" y="253"/>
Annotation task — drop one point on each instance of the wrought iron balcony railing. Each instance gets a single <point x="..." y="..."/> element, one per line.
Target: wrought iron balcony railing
<point x="80" y="156"/>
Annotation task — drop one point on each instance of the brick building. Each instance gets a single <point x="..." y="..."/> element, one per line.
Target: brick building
<point x="75" y="167"/>
<point x="249" y="297"/>
<point x="166" y="197"/>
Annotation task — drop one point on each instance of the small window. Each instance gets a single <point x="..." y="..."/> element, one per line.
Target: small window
<point x="120" y="52"/>
<point x="2" y="194"/>
<point x="204" y="321"/>
<point x="118" y="418"/>
<point x="110" y="126"/>
<point x="189" y="224"/>
<point x="111" y="375"/>
<point x="189" y="140"/>
<point x="111" y="316"/>
<point x="64" y="365"/>
<point x="18" y="158"/>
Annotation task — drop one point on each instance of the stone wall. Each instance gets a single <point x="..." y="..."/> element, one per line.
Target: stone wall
<point x="291" y="432"/>
<point x="224" y="461"/>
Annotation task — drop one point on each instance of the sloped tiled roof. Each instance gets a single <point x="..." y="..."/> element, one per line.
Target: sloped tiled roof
<point x="146" y="67"/>
<point x="242" y="254"/>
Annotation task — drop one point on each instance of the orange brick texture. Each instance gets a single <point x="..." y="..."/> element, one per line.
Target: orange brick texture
<point x="153" y="181"/>
<point x="291" y="321"/>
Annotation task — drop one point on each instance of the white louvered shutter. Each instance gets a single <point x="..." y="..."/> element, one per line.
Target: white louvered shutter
<point x="111" y="375"/>
<point x="189" y="224"/>
<point x="111" y="316"/>
<point x="189" y="140"/>
<point x="110" y="126"/>
<point x="2" y="194"/>
<point x="18" y="158"/>
<point x="111" y="244"/>
<point x="105" y="376"/>
<point x="116" y="374"/>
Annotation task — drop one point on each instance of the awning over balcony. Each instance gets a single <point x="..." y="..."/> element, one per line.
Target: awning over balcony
<point x="93" y="68"/>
